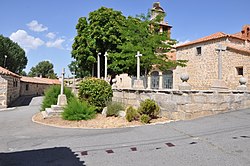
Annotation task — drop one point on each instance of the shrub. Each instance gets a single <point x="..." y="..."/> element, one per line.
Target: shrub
<point x="131" y="114"/>
<point x="51" y="95"/>
<point x="76" y="110"/>
<point x="113" y="108"/>
<point x="149" y="107"/>
<point x="96" y="92"/>
<point x="145" y="118"/>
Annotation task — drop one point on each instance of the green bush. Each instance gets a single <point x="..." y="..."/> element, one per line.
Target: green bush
<point x="96" y="92"/>
<point x="132" y="114"/>
<point x="145" y="118"/>
<point x="150" y="108"/>
<point x="76" y="110"/>
<point x="51" y="95"/>
<point x="113" y="108"/>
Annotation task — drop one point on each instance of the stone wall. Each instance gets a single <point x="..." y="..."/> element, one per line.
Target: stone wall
<point x="3" y="92"/>
<point x="9" y="89"/>
<point x="203" y="69"/>
<point x="184" y="105"/>
<point x="36" y="89"/>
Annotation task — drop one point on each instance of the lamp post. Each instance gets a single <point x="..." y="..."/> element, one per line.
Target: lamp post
<point x="5" y="58"/>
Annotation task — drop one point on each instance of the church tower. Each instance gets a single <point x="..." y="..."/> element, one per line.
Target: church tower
<point x="157" y="9"/>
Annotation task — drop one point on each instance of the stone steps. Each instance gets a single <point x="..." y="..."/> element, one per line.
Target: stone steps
<point x="54" y="111"/>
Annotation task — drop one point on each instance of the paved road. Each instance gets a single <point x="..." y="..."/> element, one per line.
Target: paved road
<point x="216" y="140"/>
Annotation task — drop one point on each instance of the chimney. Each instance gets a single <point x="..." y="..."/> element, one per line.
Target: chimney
<point x="245" y="33"/>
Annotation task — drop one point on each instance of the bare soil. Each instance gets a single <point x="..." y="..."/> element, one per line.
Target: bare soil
<point x="99" y="122"/>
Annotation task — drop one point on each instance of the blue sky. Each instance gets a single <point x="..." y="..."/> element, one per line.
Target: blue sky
<point x="46" y="28"/>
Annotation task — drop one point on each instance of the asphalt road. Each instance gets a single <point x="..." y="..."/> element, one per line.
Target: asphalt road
<point x="220" y="140"/>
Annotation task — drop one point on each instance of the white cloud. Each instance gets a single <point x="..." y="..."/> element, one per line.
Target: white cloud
<point x="51" y="35"/>
<point x="26" y="41"/>
<point x="56" y="44"/>
<point x="35" y="26"/>
<point x="182" y="42"/>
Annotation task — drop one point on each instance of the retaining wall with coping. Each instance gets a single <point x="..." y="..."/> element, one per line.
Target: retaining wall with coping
<point x="188" y="104"/>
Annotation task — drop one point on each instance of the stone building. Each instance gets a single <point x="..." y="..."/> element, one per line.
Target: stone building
<point x="13" y="86"/>
<point x="202" y="55"/>
<point x="35" y="85"/>
<point x="9" y="87"/>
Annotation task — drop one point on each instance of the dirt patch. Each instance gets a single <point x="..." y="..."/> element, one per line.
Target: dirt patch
<point x="99" y="122"/>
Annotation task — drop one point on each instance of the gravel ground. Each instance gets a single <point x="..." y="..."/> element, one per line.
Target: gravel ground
<point x="99" y="122"/>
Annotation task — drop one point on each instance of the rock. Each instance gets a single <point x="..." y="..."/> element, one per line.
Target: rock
<point x="104" y="111"/>
<point x="122" y="114"/>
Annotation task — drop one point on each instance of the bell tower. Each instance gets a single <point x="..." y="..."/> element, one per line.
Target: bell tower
<point x="156" y="10"/>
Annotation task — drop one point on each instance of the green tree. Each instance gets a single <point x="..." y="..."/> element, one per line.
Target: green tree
<point x="12" y="56"/>
<point x="44" y="68"/>
<point x="101" y="32"/>
<point x="142" y="34"/>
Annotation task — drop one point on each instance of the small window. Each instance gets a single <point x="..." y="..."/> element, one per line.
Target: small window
<point x="239" y="71"/>
<point x="27" y="87"/>
<point x="198" y="50"/>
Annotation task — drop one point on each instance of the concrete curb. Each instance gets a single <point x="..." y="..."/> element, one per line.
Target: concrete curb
<point x="67" y="127"/>
<point x="8" y="109"/>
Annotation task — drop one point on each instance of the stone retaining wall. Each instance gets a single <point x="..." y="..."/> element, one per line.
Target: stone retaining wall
<point x="184" y="105"/>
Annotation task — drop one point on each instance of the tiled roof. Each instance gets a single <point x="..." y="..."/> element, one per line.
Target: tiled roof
<point x="39" y="80"/>
<point x="214" y="36"/>
<point x="230" y="46"/>
<point x="207" y="38"/>
<point x="7" y="72"/>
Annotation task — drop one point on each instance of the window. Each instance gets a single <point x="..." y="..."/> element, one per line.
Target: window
<point x="27" y="87"/>
<point x="239" y="71"/>
<point x="198" y="50"/>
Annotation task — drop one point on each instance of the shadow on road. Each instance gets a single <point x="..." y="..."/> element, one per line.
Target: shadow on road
<point x="62" y="156"/>
<point x="22" y="101"/>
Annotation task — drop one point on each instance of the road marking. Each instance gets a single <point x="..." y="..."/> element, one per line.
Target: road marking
<point x="84" y="153"/>
<point x="169" y="144"/>
<point x="109" y="151"/>
<point x="133" y="149"/>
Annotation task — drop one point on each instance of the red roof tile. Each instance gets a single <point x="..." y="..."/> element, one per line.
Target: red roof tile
<point x="207" y="38"/>
<point x="38" y="80"/>
<point x="214" y="36"/>
<point x="7" y="72"/>
<point x="230" y="46"/>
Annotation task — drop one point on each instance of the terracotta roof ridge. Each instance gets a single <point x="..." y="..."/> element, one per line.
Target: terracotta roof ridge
<point x="238" y="48"/>
<point x="213" y="36"/>
<point x="8" y="72"/>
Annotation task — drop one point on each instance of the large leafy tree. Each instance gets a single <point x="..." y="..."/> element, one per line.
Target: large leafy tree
<point x="109" y="30"/>
<point x="12" y="56"/>
<point x="44" y="69"/>
<point x="101" y="32"/>
<point x="142" y="34"/>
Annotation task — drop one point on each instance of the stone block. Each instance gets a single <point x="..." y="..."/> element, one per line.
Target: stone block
<point x="209" y="107"/>
<point x="167" y="106"/>
<point x="130" y="95"/>
<point x="215" y="98"/>
<point x="182" y="99"/>
<point x="62" y="100"/>
<point x="104" y="111"/>
<point x="144" y="96"/>
<point x="199" y="98"/>
<point x="122" y="114"/>
<point x="56" y="108"/>
<point x="222" y="107"/>
<point x="138" y="84"/>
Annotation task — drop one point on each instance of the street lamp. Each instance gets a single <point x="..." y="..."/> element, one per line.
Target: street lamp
<point x="5" y="58"/>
